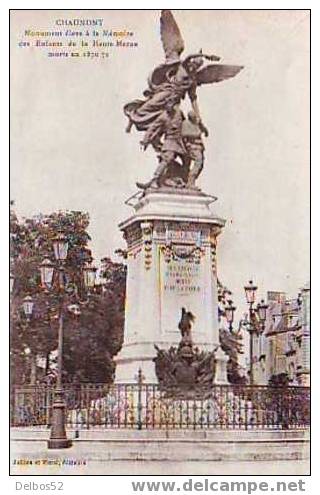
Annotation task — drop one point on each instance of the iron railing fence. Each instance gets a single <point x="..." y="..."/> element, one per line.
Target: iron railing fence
<point x="145" y="406"/>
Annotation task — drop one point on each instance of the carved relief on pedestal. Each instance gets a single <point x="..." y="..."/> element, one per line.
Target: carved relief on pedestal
<point x="184" y="371"/>
<point x="146" y="229"/>
<point x="180" y="241"/>
<point x="132" y="235"/>
<point x="213" y="248"/>
<point x="213" y="251"/>
<point x="192" y="254"/>
<point x="181" y="232"/>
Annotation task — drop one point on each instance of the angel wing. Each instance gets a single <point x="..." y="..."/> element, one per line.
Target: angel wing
<point x="171" y="38"/>
<point x="216" y="73"/>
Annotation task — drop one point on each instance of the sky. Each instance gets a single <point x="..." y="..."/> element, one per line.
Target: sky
<point x="69" y="149"/>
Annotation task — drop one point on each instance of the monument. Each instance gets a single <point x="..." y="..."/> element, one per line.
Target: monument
<point x="172" y="234"/>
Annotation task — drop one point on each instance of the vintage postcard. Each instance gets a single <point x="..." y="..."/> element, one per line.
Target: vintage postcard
<point x="159" y="242"/>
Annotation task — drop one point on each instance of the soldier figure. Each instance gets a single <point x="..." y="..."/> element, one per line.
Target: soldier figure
<point x="192" y="129"/>
<point x="185" y="324"/>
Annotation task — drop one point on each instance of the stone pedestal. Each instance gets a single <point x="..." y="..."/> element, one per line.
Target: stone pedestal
<point x="171" y="256"/>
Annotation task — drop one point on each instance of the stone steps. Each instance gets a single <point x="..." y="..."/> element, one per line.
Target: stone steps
<point x="99" y="433"/>
<point x="179" y="445"/>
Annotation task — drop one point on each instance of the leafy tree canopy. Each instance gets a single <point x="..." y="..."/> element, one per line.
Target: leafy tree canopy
<point x="93" y="334"/>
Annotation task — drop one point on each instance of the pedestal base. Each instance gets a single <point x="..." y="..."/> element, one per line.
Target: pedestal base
<point x="140" y="356"/>
<point x="171" y="259"/>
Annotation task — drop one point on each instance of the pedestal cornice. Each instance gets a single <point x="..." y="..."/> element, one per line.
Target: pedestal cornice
<point x="174" y="206"/>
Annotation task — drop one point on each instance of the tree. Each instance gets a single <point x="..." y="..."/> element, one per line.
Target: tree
<point x="31" y="240"/>
<point x="98" y="329"/>
<point x="94" y="333"/>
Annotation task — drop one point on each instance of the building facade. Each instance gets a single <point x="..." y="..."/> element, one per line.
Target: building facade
<point x="282" y="352"/>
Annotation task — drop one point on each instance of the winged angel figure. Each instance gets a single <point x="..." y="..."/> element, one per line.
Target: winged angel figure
<point x="159" y="115"/>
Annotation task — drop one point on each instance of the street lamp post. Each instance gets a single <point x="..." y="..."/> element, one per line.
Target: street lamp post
<point x="58" y="438"/>
<point x="27" y="305"/>
<point x="257" y="318"/>
<point x="250" y="291"/>
<point x="229" y="313"/>
<point x="262" y="314"/>
<point x="89" y="276"/>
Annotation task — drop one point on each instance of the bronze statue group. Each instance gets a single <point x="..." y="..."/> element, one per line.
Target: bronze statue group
<point x="177" y="139"/>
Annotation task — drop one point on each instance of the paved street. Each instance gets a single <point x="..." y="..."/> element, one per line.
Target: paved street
<point x="99" y="464"/>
